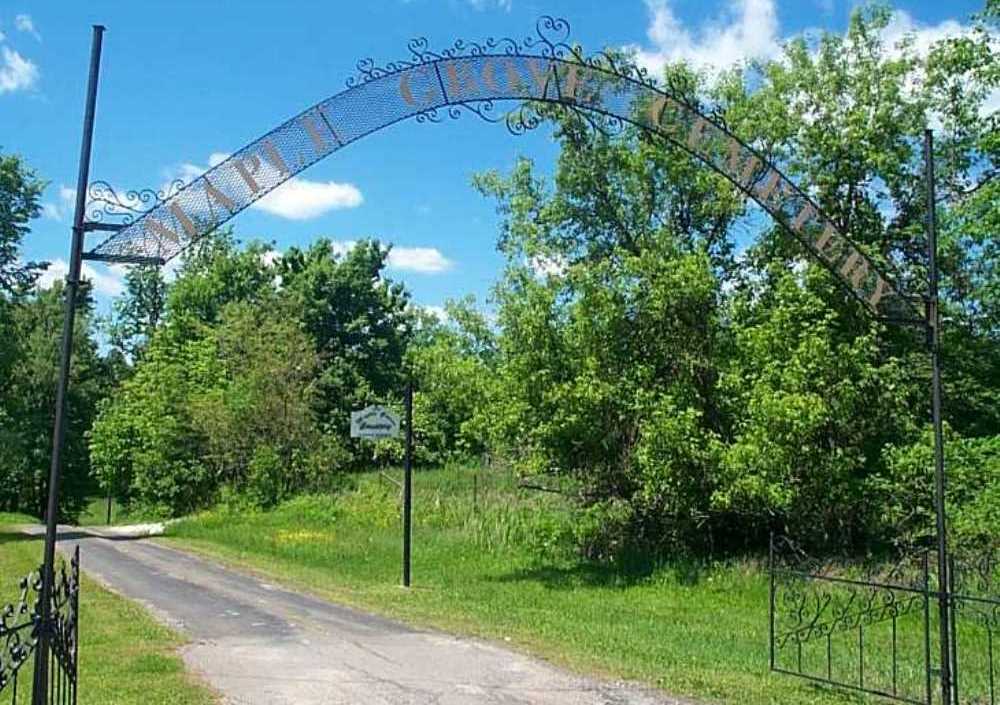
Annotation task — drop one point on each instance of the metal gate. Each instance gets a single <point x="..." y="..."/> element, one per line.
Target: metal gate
<point x="873" y="628"/>
<point x="20" y="627"/>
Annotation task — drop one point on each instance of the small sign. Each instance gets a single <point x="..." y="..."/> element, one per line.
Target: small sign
<point x="374" y="422"/>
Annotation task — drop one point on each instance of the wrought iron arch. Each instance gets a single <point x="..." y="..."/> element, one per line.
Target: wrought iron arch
<point x="428" y="86"/>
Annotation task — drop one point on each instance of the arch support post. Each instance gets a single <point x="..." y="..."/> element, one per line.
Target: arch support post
<point x="45" y="631"/>
<point x="948" y="696"/>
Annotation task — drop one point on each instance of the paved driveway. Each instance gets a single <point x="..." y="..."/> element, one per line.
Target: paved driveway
<point x="257" y="643"/>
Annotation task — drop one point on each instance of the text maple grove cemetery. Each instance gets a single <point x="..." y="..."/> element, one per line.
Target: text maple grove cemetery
<point x="417" y="89"/>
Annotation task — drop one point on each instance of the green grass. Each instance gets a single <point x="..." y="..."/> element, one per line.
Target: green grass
<point x="125" y="657"/>
<point x="495" y="565"/>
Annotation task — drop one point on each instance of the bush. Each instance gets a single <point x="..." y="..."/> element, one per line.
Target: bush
<point x="905" y="492"/>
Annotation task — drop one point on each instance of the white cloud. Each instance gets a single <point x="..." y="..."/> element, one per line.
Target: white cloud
<point x="296" y="199"/>
<point x="16" y="72"/>
<point x="24" y="23"/>
<point x="438" y="312"/>
<point x="300" y="199"/>
<point x="107" y="281"/>
<point x="425" y="260"/>
<point x="902" y="26"/>
<point x="748" y="30"/>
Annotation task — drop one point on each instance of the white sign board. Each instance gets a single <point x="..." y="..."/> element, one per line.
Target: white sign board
<point x="374" y="422"/>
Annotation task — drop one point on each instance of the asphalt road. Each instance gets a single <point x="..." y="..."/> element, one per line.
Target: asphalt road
<point x="256" y="643"/>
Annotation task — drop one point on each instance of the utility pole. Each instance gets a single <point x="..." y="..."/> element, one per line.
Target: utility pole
<point x="41" y="674"/>
<point x="940" y="486"/>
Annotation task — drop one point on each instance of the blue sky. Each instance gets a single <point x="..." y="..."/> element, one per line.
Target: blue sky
<point x="183" y="82"/>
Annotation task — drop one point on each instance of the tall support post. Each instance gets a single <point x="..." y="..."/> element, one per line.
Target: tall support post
<point x="934" y="342"/>
<point x="42" y="651"/>
<point x="408" y="485"/>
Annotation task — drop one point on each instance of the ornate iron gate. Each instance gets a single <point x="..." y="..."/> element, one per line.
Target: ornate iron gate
<point x="20" y="627"/>
<point x="873" y="628"/>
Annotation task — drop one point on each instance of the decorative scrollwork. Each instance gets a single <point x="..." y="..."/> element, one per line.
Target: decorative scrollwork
<point x="523" y="119"/>
<point x="104" y="202"/>
<point x="65" y="614"/>
<point x="19" y="628"/>
<point x="815" y="599"/>
<point x="976" y="587"/>
<point x="21" y="622"/>
<point x="550" y="41"/>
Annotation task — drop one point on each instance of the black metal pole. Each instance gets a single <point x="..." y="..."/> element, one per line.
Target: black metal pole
<point x="934" y="329"/>
<point x="59" y="431"/>
<point x="408" y="485"/>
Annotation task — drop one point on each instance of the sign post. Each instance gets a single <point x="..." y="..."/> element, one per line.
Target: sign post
<point x="374" y="422"/>
<point x="408" y="485"/>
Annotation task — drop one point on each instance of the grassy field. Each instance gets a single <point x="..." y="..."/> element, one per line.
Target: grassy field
<point x="491" y="560"/>
<point x="125" y="657"/>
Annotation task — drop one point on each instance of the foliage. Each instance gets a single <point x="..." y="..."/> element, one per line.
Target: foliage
<point x="30" y="399"/>
<point x="19" y="193"/>
<point x="698" y="397"/>
<point x="137" y="312"/>
<point x="973" y="466"/>
<point x="223" y="409"/>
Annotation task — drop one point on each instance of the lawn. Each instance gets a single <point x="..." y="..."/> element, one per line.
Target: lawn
<point x="125" y="657"/>
<point x="491" y="560"/>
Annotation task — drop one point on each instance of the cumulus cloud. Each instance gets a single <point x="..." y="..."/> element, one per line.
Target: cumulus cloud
<point x="748" y="29"/>
<point x="107" y="281"/>
<point x="301" y="199"/>
<point x="296" y="199"/>
<point x="423" y="260"/>
<point x="16" y="72"/>
<point x="24" y="23"/>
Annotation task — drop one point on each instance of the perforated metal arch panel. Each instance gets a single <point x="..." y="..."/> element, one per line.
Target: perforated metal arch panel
<point x="610" y="94"/>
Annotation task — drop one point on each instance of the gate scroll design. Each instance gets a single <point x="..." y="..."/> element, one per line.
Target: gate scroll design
<point x="871" y="627"/>
<point x="20" y="627"/>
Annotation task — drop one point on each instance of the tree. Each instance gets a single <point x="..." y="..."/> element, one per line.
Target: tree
<point x="30" y="400"/>
<point x="231" y="408"/>
<point x="357" y="319"/>
<point x="19" y="193"/>
<point x="137" y="312"/>
<point x="453" y="366"/>
<point x="694" y="395"/>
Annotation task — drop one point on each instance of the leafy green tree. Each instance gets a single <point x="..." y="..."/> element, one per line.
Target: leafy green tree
<point x="229" y="408"/>
<point x="30" y="401"/>
<point x="137" y="312"/>
<point x="358" y="320"/>
<point x="453" y="366"/>
<point x="20" y="190"/>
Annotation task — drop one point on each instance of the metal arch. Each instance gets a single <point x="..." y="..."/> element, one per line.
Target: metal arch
<point x="607" y="90"/>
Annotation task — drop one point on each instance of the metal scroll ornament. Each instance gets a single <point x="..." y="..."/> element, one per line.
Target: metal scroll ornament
<point x="107" y="205"/>
<point x="21" y="625"/>
<point x="18" y="629"/>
